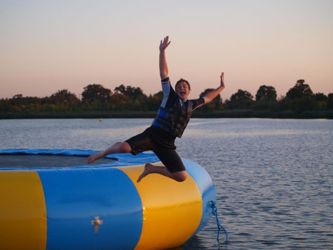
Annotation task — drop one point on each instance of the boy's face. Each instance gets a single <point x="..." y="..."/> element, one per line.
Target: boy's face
<point x="182" y="90"/>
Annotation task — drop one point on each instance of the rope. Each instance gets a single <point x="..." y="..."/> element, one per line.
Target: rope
<point x="220" y="227"/>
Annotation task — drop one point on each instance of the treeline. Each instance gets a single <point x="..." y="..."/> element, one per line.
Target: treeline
<point x="299" y="100"/>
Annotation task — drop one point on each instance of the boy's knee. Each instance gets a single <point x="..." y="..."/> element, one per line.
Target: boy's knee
<point x="124" y="147"/>
<point x="180" y="176"/>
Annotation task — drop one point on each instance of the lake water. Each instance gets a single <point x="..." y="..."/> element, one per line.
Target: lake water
<point x="274" y="178"/>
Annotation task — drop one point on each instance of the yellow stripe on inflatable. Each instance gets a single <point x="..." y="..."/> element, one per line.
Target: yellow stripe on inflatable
<point x="171" y="210"/>
<point x="22" y="211"/>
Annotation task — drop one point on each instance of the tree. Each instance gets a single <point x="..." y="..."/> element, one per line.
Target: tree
<point x="300" y="97"/>
<point x="320" y="101"/>
<point x="154" y="101"/>
<point x="266" y="93"/>
<point x="300" y="90"/>
<point x="265" y="97"/>
<point x="118" y="101"/>
<point x="320" y="97"/>
<point x="62" y="101"/>
<point x="136" y="99"/>
<point x="19" y="103"/>
<point x="63" y="96"/>
<point x="4" y="105"/>
<point x="132" y="92"/>
<point x="240" y="100"/>
<point x="95" y="96"/>
<point x="330" y="101"/>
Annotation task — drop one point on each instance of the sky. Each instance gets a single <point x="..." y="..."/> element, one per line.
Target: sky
<point x="47" y="46"/>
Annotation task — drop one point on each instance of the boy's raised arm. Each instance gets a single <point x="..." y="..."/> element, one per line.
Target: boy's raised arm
<point x="164" y="73"/>
<point x="213" y="93"/>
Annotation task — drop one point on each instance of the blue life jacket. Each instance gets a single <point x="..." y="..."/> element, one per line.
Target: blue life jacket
<point x="174" y="114"/>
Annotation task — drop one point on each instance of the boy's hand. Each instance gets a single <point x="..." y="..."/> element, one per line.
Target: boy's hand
<point x="164" y="43"/>
<point x="222" y="80"/>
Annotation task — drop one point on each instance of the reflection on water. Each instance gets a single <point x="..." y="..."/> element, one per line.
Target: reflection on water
<point x="272" y="132"/>
<point x="274" y="178"/>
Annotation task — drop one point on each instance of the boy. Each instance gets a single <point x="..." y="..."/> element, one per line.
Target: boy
<point x="172" y="118"/>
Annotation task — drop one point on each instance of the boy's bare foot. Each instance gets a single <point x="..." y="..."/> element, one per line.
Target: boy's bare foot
<point x="92" y="158"/>
<point x="147" y="170"/>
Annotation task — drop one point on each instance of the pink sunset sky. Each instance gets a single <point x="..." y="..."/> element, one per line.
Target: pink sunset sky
<point x="47" y="46"/>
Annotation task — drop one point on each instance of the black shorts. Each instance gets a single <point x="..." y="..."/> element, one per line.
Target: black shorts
<point x="161" y="144"/>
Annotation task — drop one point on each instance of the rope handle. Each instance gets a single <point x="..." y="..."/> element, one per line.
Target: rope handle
<point x="220" y="227"/>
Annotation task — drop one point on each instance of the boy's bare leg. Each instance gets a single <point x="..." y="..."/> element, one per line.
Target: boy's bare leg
<point x="119" y="147"/>
<point x="151" y="169"/>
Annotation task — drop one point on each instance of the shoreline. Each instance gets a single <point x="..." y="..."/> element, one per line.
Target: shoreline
<point x="150" y="114"/>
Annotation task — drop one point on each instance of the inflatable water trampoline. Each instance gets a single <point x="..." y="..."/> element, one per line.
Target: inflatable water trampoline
<point x="51" y="199"/>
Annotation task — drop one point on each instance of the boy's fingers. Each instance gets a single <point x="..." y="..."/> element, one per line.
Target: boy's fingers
<point x="166" y="40"/>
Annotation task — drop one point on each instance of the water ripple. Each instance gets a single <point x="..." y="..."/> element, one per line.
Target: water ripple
<point x="274" y="178"/>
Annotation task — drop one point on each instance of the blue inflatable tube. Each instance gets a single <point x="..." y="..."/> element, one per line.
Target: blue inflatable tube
<point x="99" y="206"/>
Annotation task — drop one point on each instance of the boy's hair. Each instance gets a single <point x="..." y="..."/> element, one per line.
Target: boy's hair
<point x="183" y="80"/>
